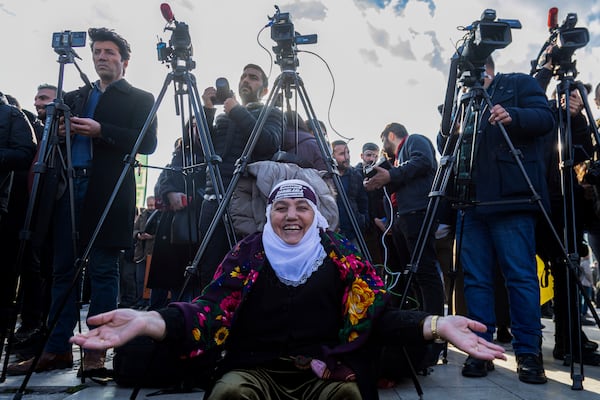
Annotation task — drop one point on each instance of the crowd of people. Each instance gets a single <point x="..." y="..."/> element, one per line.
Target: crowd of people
<point x="303" y="270"/>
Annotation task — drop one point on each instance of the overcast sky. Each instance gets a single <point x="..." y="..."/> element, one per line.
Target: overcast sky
<point x="389" y="59"/>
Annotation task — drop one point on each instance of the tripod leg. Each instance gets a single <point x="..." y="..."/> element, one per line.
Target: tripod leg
<point x="331" y="164"/>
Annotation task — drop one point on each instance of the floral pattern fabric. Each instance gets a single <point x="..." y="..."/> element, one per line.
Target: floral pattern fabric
<point x="209" y="318"/>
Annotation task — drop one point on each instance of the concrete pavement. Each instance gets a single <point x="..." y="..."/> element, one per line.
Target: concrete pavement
<point x="444" y="382"/>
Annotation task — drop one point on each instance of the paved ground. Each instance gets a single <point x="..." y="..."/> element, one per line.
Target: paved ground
<point x="445" y="381"/>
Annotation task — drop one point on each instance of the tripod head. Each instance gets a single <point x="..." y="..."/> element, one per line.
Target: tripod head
<point x="283" y="33"/>
<point x="179" y="51"/>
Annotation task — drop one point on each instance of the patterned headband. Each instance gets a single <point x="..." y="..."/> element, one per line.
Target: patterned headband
<point x="292" y="189"/>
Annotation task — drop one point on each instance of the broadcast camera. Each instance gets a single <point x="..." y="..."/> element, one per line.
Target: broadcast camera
<point x="483" y="37"/>
<point x="180" y="44"/>
<point x="564" y="39"/>
<point x="283" y="33"/>
<point x="63" y="42"/>
<point x="468" y="63"/>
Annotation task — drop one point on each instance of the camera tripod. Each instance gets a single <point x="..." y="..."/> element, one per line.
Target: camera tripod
<point x="569" y="282"/>
<point x="52" y="161"/>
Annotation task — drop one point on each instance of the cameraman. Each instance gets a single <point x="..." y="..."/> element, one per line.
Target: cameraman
<point x="230" y="133"/>
<point x="547" y="249"/>
<point x="107" y="118"/>
<point x="500" y="228"/>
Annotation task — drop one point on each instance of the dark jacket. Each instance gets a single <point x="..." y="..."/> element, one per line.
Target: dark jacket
<point x="121" y="112"/>
<point x="17" y="143"/>
<point x="496" y="176"/>
<point x="303" y="145"/>
<point x="186" y="173"/>
<point x="167" y="268"/>
<point x="17" y="148"/>
<point x="411" y="180"/>
<point x="231" y="132"/>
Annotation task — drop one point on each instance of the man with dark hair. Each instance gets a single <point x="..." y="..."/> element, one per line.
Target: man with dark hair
<point x="410" y="181"/>
<point x="230" y="133"/>
<point x="351" y="180"/>
<point x="369" y="154"/>
<point x="263" y="76"/>
<point x="372" y="233"/>
<point x="109" y="116"/>
<point x="45" y="95"/>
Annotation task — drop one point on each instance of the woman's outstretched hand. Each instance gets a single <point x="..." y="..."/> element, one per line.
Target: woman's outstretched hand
<point x="117" y="327"/>
<point x="460" y="331"/>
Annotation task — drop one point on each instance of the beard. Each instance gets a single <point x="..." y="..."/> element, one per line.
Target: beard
<point x="248" y="95"/>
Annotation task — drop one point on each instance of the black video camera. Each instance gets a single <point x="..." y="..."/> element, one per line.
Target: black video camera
<point x="369" y="169"/>
<point x="487" y="35"/>
<point x="283" y="33"/>
<point x="62" y="42"/>
<point x="180" y="44"/>
<point x="179" y="51"/>
<point x="565" y="39"/>
<point x="223" y="91"/>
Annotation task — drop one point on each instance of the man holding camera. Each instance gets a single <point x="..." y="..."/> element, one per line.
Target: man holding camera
<point x="410" y="181"/>
<point x="498" y="221"/>
<point x="229" y="133"/>
<point x="107" y="118"/>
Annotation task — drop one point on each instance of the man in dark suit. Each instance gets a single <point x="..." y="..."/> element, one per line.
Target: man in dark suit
<point x="107" y="119"/>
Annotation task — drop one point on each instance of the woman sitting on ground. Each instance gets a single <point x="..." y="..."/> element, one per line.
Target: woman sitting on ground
<point x="298" y="310"/>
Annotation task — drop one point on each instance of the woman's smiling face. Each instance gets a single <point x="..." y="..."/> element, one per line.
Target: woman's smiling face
<point x="291" y="218"/>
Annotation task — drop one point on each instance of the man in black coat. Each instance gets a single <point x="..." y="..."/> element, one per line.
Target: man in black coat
<point x="411" y="179"/>
<point x="500" y="228"/>
<point x="17" y="148"/>
<point x="107" y="119"/>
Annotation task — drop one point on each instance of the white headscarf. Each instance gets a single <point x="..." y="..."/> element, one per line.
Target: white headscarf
<point x="294" y="264"/>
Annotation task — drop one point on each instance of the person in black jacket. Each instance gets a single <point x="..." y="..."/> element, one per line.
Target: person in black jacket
<point x="230" y="133"/>
<point x="107" y="118"/>
<point x="498" y="226"/>
<point x="411" y="179"/>
<point x="17" y="149"/>
<point x="180" y="190"/>
<point x="351" y="180"/>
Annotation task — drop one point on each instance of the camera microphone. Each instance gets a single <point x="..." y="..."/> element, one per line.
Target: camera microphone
<point x="552" y="18"/>
<point x="167" y="13"/>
